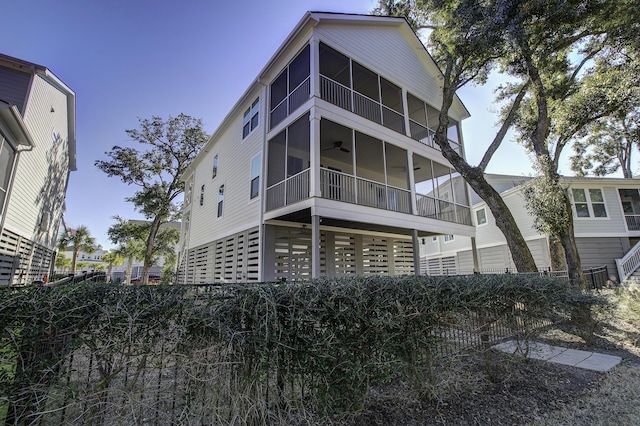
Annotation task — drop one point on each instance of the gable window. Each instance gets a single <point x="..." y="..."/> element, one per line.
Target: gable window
<point x="255" y="177"/>
<point x="214" y="172"/>
<point x="250" y="118"/>
<point x="588" y="203"/>
<point x="220" y="200"/>
<point x="481" y="217"/>
<point x="202" y="195"/>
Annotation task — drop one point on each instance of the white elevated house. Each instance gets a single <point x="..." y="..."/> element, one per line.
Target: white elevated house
<point x="323" y="166"/>
<point x="37" y="152"/>
<point x="606" y="215"/>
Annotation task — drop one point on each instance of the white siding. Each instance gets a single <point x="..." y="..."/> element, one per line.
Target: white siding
<point x="41" y="175"/>
<point x="386" y="51"/>
<point x="234" y="172"/>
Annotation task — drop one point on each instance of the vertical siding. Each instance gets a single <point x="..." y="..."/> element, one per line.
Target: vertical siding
<point x="14" y="85"/>
<point x="234" y="171"/>
<point x="40" y="180"/>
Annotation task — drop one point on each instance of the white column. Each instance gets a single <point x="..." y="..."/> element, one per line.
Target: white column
<point x="315" y="246"/>
<point x="416" y="251"/>
<point x="314" y="155"/>
<point x="314" y="65"/>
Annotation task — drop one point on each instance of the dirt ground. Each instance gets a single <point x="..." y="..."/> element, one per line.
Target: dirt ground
<point x="524" y="391"/>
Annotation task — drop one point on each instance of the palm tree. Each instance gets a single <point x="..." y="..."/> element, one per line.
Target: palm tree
<point x="62" y="262"/>
<point x="113" y="258"/>
<point x="132" y="249"/>
<point x="78" y="239"/>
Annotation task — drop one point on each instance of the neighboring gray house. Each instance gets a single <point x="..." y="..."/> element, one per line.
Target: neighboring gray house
<point x="324" y="165"/>
<point x="606" y="213"/>
<point x="37" y="153"/>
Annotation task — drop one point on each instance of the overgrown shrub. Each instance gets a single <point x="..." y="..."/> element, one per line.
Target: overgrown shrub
<point x="249" y="353"/>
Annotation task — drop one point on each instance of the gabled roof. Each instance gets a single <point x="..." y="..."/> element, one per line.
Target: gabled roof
<point x="49" y="77"/>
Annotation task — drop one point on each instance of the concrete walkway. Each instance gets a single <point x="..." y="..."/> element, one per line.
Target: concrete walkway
<point x="573" y="357"/>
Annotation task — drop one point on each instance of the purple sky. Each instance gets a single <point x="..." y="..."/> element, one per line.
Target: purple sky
<point x="126" y="59"/>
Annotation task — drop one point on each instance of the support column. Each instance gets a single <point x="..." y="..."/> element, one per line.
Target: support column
<point x="412" y="182"/>
<point x="416" y="251"/>
<point x="474" y="253"/>
<point x="314" y="155"/>
<point x="315" y="246"/>
<point x="314" y="66"/>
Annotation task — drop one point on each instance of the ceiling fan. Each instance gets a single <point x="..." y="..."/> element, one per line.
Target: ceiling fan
<point x="337" y="145"/>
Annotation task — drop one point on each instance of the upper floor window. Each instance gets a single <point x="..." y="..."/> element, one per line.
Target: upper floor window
<point x="291" y="88"/>
<point x="481" y="217"/>
<point x="220" y="200"/>
<point x="250" y="118"/>
<point x="589" y="203"/>
<point x="214" y="172"/>
<point x="7" y="154"/>
<point x="255" y="177"/>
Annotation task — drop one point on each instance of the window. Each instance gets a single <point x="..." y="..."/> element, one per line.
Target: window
<point x="6" y="166"/>
<point x="588" y="203"/>
<point x="255" y="177"/>
<point x="214" y="172"/>
<point x="251" y="118"/>
<point x="448" y="238"/>
<point x="202" y="195"/>
<point x="481" y="217"/>
<point x="220" y="200"/>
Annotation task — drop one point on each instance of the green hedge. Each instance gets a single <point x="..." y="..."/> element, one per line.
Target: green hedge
<point x="255" y="351"/>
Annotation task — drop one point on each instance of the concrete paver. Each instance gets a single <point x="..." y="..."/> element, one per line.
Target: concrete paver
<point x="559" y="355"/>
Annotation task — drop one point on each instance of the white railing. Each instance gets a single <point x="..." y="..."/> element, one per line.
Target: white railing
<point x="629" y="263"/>
<point x="290" y="103"/>
<point x="443" y="210"/>
<point x="425" y="135"/>
<point x="350" y="189"/>
<point x="344" y="97"/>
<point x="633" y="222"/>
<point x="289" y="191"/>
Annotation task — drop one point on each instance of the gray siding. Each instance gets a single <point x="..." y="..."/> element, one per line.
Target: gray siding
<point x="601" y="251"/>
<point x="14" y="85"/>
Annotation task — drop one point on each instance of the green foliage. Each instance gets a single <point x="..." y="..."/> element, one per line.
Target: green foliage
<point x="170" y="145"/>
<point x="545" y="198"/>
<point x="79" y="239"/>
<point x="257" y="352"/>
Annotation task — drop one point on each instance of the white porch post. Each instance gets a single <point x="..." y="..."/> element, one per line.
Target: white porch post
<point x="315" y="246"/>
<point x="416" y="251"/>
<point x="314" y="155"/>
<point x="412" y="182"/>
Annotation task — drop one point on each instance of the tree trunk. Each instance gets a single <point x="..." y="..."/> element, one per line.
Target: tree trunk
<point x="148" y="254"/>
<point x="127" y="274"/>
<point x="574" y="265"/>
<point x="556" y="254"/>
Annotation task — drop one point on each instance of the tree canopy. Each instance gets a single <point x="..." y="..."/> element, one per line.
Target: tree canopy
<point x="78" y="239"/>
<point x="167" y="147"/>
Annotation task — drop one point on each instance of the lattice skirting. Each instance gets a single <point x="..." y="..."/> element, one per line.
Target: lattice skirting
<point x="22" y="261"/>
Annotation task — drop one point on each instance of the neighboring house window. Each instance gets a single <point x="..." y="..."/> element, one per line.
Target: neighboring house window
<point x="589" y="203"/>
<point x="448" y="238"/>
<point x="6" y="166"/>
<point x="251" y="118"/>
<point x="214" y="172"/>
<point x="202" y="195"/>
<point x="481" y="216"/>
<point x="255" y="177"/>
<point x="220" y="200"/>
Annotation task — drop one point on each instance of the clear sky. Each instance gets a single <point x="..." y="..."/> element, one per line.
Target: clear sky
<point x="130" y="59"/>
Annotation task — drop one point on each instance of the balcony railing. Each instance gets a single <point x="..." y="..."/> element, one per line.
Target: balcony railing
<point x="342" y="96"/>
<point x="425" y="135"/>
<point x="633" y="222"/>
<point x="289" y="191"/>
<point x="350" y="189"/>
<point x="442" y="210"/>
<point x="297" y="97"/>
